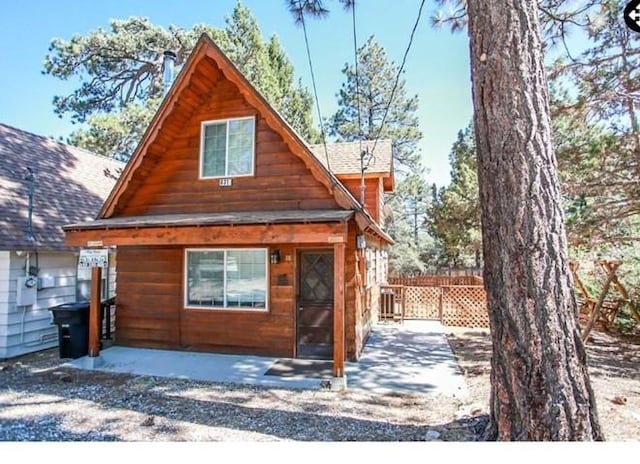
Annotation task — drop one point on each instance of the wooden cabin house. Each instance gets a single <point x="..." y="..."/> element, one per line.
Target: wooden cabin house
<point x="233" y="235"/>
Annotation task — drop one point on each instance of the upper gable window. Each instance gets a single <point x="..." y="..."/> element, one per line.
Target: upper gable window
<point x="226" y="148"/>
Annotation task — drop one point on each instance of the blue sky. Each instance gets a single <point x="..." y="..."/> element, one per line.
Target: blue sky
<point x="437" y="68"/>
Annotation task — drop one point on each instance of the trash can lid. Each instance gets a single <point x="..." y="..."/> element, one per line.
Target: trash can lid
<point x="72" y="306"/>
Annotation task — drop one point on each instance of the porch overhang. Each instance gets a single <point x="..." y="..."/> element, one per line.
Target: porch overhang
<point x="368" y="225"/>
<point x="240" y="228"/>
<point x="222" y="229"/>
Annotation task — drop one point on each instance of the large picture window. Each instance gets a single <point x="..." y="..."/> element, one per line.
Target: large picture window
<point x="226" y="148"/>
<point x="226" y="279"/>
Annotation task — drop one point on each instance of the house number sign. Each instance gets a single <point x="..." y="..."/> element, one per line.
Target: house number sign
<point x="93" y="258"/>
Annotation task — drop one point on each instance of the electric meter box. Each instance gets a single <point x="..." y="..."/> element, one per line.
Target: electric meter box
<point x="27" y="291"/>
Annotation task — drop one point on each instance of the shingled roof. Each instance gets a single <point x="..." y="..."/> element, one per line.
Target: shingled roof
<point x="70" y="186"/>
<point x="344" y="157"/>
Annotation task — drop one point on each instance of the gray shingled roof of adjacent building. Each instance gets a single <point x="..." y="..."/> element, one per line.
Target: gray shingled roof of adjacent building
<point x="344" y="157"/>
<point x="70" y="186"/>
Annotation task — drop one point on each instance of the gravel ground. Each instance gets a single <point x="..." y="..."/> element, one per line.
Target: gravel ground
<point x="41" y="401"/>
<point x="613" y="370"/>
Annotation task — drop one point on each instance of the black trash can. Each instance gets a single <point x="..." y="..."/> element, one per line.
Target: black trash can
<point x="72" y="320"/>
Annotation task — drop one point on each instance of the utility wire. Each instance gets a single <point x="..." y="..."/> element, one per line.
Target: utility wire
<point x="395" y="85"/>
<point x="362" y="153"/>
<point x="355" y="53"/>
<point x="315" y="91"/>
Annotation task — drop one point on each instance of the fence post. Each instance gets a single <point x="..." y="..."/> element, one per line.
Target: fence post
<point x="440" y="304"/>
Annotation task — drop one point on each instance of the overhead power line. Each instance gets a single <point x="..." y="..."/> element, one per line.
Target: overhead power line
<point x="315" y="91"/>
<point x="361" y="151"/>
<point x="355" y="53"/>
<point x="395" y="84"/>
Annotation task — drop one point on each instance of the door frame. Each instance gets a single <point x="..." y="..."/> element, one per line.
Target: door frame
<point x="297" y="268"/>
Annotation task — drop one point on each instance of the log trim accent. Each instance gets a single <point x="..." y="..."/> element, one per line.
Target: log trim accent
<point x="94" y="312"/>
<point x="221" y="235"/>
<point x="339" y="309"/>
<point x="386" y="177"/>
<point x="216" y="219"/>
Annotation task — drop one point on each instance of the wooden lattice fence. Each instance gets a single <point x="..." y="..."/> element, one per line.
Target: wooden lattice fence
<point x="464" y="306"/>
<point x="434" y="280"/>
<point x="453" y="305"/>
<point x="422" y="302"/>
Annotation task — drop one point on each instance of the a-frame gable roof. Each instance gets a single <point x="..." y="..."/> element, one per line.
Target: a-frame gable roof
<point x="206" y="49"/>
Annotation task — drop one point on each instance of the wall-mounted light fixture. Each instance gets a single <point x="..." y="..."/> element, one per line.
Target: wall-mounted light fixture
<point x="275" y="256"/>
<point x="361" y="242"/>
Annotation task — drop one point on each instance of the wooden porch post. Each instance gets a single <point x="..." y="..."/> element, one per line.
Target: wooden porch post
<point x="94" y="312"/>
<point x="338" y="309"/>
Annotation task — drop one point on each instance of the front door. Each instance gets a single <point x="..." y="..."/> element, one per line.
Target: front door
<point x="315" y="304"/>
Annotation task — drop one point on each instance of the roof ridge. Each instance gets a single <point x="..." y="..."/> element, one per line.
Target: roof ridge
<point x="348" y="143"/>
<point x="57" y="142"/>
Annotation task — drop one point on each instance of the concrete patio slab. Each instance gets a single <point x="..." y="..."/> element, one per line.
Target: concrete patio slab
<point x="414" y="357"/>
<point x="211" y="367"/>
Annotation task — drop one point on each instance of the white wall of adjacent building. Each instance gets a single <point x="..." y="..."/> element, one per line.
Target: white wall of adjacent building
<point x="28" y="328"/>
<point x="5" y="259"/>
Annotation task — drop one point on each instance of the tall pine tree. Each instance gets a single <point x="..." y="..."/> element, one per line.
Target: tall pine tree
<point x="370" y="96"/>
<point x="540" y="387"/>
<point x="454" y="215"/>
<point x="120" y="76"/>
<point x="597" y="122"/>
<point x="540" y="384"/>
<point x="362" y="104"/>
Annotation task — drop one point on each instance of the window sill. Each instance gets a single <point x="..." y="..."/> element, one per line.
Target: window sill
<point x="229" y="310"/>
<point x="234" y="176"/>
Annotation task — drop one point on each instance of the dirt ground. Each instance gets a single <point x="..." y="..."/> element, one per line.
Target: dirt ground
<point x="614" y="368"/>
<point x="42" y="401"/>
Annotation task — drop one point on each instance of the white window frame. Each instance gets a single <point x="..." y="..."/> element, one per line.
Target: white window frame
<point x="224" y="308"/>
<point x="379" y="267"/>
<point x="203" y="125"/>
<point x="385" y="266"/>
<point x="371" y="267"/>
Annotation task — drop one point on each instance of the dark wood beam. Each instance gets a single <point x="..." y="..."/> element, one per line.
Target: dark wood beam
<point x="211" y="235"/>
<point x="94" y="312"/>
<point x="338" y="305"/>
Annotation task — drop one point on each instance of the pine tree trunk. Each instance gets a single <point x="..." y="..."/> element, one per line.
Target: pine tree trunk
<point x="540" y="385"/>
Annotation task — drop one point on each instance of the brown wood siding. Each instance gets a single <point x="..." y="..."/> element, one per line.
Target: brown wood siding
<point x="359" y="316"/>
<point x="151" y="310"/>
<point x="372" y="194"/>
<point x="150" y="279"/>
<point x="255" y="332"/>
<point x="168" y="180"/>
<point x="352" y="298"/>
<point x="149" y="288"/>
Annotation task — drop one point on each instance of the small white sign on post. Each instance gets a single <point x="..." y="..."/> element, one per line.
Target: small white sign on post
<point x="94" y="258"/>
